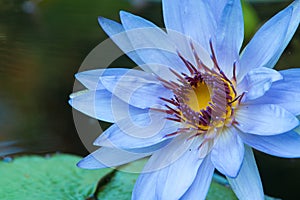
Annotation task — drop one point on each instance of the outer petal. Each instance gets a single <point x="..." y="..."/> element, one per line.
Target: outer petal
<point x="284" y="145"/>
<point x="172" y="181"/>
<point x="228" y="152"/>
<point x="247" y="185"/>
<point x="265" y="119"/>
<point x="151" y="44"/>
<point x="191" y="18"/>
<point x="258" y="81"/>
<point x="200" y="186"/>
<point x="98" y="104"/>
<point x="117" y="33"/>
<point x="294" y="23"/>
<point x="230" y="35"/>
<point x="285" y="93"/>
<point x="91" y="79"/>
<point x="131" y="136"/>
<point x="136" y="90"/>
<point x="263" y="47"/>
<point x="108" y="157"/>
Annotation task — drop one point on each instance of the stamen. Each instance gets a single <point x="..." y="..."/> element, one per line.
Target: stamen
<point x="165" y="83"/>
<point x="172" y="134"/>
<point x="189" y="65"/>
<point x="173" y="119"/>
<point x="241" y="97"/>
<point x="169" y="101"/>
<point x="180" y="130"/>
<point x="201" y="100"/>
<point x="180" y="78"/>
<point x="171" y="109"/>
<point x="195" y="54"/>
<point x="234" y="71"/>
<point x="213" y="56"/>
<point x="161" y="110"/>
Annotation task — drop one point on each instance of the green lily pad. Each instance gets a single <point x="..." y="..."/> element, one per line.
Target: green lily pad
<point x="57" y="177"/>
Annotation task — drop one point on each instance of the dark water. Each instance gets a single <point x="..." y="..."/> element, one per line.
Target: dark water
<point x="42" y="45"/>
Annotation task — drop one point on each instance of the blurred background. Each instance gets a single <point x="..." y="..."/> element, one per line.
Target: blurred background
<point x="42" y="45"/>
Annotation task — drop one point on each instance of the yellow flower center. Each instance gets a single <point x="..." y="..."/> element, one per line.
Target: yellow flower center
<point x="199" y="97"/>
<point x="204" y="100"/>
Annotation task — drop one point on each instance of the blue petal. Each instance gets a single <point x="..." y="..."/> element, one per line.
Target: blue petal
<point x="200" y="186"/>
<point x="130" y="135"/>
<point x="192" y="18"/>
<point x="291" y="75"/>
<point x="152" y="44"/>
<point x="285" y="93"/>
<point x="247" y="185"/>
<point x="293" y="25"/>
<point x="108" y="157"/>
<point x="265" y="119"/>
<point x="91" y="79"/>
<point x="282" y="145"/>
<point x="98" y="104"/>
<point x="258" y="81"/>
<point x="171" y="174"/>
<point x="230" y="35"/>
<point x="263" y="48"/>
<point x="140" y="91"/>
<point x="117" y="33"/>
<point x="228" y="152"/>
<point x="131" y="74"/>
<point x="216" y="7"/>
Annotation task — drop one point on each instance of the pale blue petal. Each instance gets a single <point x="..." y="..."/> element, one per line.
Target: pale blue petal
<point x="130" y="135"/>
<point x="152" y="44"/>
<point x="200" y="186"/>
<point x="117" y="33"/>
<point x="91" y="79"/>
<point x="144" y="187"/>
<point x="247" y="185"/>
<point x="285" y="145"/>
<point x="285" y="93"/>
<point x="216" y="7"/>
<point x="228" y="152"/>
<point x="139" y="91"/>
<point x="110" y="27"/>
<point x="192" y="18"/>
<point x="108" y="157"/>
<point x="264" y="119"/>
<point x="293" y="25"/>
<point x="230" y="35"/>
<point x="98" y="104"/>
<point x="168" y="179"/>
<point x="258" y="81"/>
<point x="291" y="75"/>
<point x="131" y="74"/>
<point x="263" y="47"/>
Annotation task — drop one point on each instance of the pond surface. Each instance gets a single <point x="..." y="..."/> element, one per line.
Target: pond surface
<point x="42" y="45"/>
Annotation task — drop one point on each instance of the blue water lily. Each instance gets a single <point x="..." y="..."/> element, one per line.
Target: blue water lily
<point x="198" y="104"/>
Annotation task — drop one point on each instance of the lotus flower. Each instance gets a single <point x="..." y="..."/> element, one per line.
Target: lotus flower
<point x="198" y="104"/>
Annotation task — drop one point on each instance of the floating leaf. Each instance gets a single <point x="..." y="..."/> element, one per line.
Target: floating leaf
<point x="57" y="177"/>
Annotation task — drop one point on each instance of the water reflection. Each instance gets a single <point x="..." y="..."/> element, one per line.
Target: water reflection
<point x="9" y="147"/>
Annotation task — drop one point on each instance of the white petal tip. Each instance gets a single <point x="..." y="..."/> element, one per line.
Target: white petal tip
<point x="123" y="13"/>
